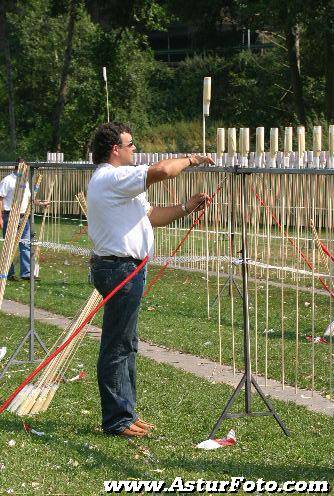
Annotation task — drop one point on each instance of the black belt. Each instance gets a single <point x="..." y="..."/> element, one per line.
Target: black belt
<point x="8" y="212"/>
<point x="114" y="258"/>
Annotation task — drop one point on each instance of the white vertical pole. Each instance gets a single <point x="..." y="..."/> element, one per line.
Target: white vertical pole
<point x="104" y="72"/>
<point x="206" y="104"/>
<point x="273" y="145"/>
<point x="231" y="146"/>
<point x="331" y="146"/>
<point x="244" y="145"/>
<point x="259" y="146"/>
<point x="301" y="145"/>
<point x="316" y="145"/>
<point x="220" y="144"/>
<point x="287" y="146"/>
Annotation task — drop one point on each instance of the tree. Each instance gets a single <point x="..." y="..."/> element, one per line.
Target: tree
<point x="6" y="6"/>
<point x="319" y="21"/>
<point x="59" y="107"/>
<point x="283" y="19"/>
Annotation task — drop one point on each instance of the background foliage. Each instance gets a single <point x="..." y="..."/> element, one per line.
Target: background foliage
<point x="162" y="102"/>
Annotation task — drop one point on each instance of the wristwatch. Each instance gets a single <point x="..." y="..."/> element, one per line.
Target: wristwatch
<point x="184" y="208"/>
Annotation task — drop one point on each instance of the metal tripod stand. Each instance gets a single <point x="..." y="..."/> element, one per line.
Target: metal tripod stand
<point x="247" y="379"/>
<point x="230" y="280"/>
<point x="31" y="336"/>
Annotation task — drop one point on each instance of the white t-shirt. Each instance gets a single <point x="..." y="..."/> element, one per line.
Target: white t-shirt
<point x="7" y="186"/>
<point x="117" y="212"/>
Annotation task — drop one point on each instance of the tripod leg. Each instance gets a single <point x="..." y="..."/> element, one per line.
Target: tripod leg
<point x="237" y="287"/>
<point x="16" y="352"/>
<point x="41" y="342"/>
<point x="270" y="407"/>
<point x="228" y="406"/>
<point x="221" y="291"/>
<point x="28" y="337"/>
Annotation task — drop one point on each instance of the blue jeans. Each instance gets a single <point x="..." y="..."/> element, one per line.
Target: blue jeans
<point x="116" y="366"/>
<point x="24" y="248"/>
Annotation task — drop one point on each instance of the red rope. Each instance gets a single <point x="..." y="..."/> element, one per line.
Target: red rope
<point x="164" y="267"/>
<point x="45" y="362"/>
<point x="298" y="250"/>
<point x="326" y="251"/>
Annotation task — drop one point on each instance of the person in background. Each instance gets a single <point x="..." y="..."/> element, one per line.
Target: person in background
<point x="7" y="187"/>
<point x="120" y="225"/>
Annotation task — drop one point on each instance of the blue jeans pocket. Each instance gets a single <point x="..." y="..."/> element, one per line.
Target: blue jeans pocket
<point x="107" y="275"/>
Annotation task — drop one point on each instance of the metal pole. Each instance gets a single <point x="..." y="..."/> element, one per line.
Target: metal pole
<point x="31" y="335"/>
<point x="245" y="303"/>
<point x="247" y="379"/>
<point x="203" y="132"/>
<point x="32" y="268"/>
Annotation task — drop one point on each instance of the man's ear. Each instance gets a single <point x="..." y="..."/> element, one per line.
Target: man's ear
<point x="115" y="149"/>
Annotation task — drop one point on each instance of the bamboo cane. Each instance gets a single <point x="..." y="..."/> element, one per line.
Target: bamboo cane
<point x="13" y="222"/>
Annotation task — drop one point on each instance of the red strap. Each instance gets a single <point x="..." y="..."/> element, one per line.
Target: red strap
<point x="326" y="250"/>
<point x="298" y="250"/>
<point x="164" y="267"/>
<point x="48" y="359"/>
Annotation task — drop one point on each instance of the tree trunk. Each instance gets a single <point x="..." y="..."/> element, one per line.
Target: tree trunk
<point x="330" y="77"/>
<point x="4" y="45"/>
<point x="292" y="43"/>
<point x="61" y="100"/>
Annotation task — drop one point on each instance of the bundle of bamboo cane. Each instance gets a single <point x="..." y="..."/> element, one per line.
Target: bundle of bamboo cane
<point x="36" y="398"/>
<point x="13" y="222"/>
<point x="81" y="199"/>
<point x="25" y="217"/>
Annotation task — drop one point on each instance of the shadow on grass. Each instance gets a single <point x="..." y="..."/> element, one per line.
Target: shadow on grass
<point x="251" y="470"/>
<point x="83" y="448"/>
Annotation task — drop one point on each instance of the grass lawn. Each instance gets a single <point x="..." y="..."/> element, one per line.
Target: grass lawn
<point x="174" y="315"/>
<point x="74" y="458"/>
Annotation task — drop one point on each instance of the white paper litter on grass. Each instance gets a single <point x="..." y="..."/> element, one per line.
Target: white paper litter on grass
<point x="3" y="352"/>
<point x="211" y="444"/>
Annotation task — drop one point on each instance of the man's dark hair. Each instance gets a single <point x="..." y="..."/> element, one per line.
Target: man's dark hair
<point x="106" y="136"/>
<point x="18" y="161"/>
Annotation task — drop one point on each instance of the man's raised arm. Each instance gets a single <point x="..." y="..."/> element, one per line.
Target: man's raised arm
<point x="170" y="168"/>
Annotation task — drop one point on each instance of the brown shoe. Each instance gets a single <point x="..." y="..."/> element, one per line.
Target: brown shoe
<point x="133" y="431"/>
<point x="13" y="278"/>
<point x="144" y="425"/>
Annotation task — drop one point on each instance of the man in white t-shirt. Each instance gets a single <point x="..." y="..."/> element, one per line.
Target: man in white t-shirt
<point x="7" y="187"/>
<point x="120" y="221"/>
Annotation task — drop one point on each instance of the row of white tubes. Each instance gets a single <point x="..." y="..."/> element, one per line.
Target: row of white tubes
<point x="317" y="157"/>
<point x="234" y="155"/>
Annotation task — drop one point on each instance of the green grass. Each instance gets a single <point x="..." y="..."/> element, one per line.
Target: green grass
<point x="174" y="315"/>
<point x="74" y="458"/>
